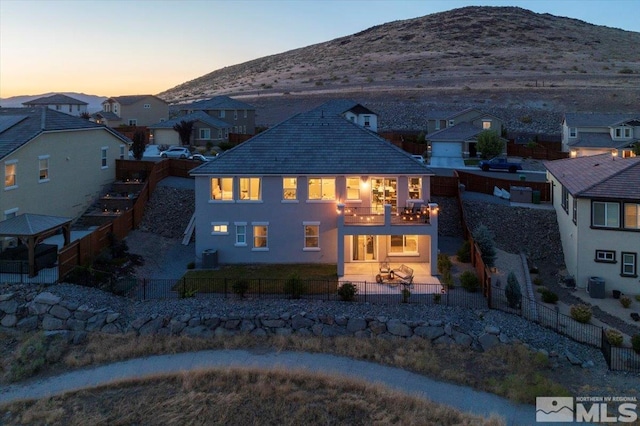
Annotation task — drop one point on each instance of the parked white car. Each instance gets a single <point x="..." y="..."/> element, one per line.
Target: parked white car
<point x="176" y="152"/>
<point x="419" y="158"/>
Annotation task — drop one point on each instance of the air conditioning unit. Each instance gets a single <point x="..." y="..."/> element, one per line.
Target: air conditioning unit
<point x="596" y="287"/>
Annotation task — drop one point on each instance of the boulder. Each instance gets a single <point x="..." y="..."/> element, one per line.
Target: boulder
<point x="271" y="323"/>
<point x="488" y="341"/>
<point x="28" y="323"/>
<point x="9" y="320"/>
<point x="298" y="322"/>
<point x="462" y="339"/>
<point x="356" y="324"/>
<point x="429" y="332"/>
<point x="59" y="312"/>
<point x="9" y="306"/>
<point x="52" y="323"/>
<point x="47" y="298"/>
<point x="398" y="328"/>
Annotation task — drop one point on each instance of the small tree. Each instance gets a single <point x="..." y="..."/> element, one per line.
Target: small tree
<point x="422" y="138"/>
<point x="512" y="292"/>
<point x="484" y="238"/>
<point x="85" y="115"/>
<point x="636" y="148"/>
<point x="490" y="144"/>
<point x="184" y="129"/>
<point x="139" y="144"/>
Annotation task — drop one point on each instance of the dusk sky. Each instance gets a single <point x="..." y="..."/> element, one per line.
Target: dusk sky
<point x="112" y="48"/>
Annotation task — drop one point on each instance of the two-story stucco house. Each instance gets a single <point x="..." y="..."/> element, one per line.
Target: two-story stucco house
<point x="454" y="133"/>
<point x="240" y="116"/>
<point x="59" y="102"/>
<point x="352" y="111"/>
<point x="206" y="129"/>
<point x="132" y="110"/>
<point x="600" y="133"/>
<point x="316" y="188"/>
<point x="597" y="202"/>
<point x="53" y="163"/>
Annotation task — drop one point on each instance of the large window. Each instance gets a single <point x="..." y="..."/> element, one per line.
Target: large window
<point x="322" y="188"/>
<point x="219" y="228"/>
<point x="241" y="233"/>
<point x="289" y="188"/>
<point x="605" y="256"/>
<point x="384" y="191"/>
<point x="222" y="188"/>
<point x="250" y="188"/>
<point x="415" y="188"/>
<point x="632" y="216"/>
<point x="403" y="244"/>
<point x="606" y="215"/>
<point x="43" y="168"/>
<point x="353" y="188"/>
<point x="311" y="235"/>
<point x="11" y="174"/>
<point x="260" y="236"/>
<point x="205" y="134"/>
<point x="103" y="157"/>
<point x="629" y="261"/>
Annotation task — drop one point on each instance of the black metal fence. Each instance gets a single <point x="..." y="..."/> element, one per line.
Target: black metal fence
<point x="17" y="271"/>
<point x="619" y="358"/>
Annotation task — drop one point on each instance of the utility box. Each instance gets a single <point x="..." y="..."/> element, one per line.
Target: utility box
<point x="210" y="259"/>
<point x="596" y="287"/>
<point x="521" y="194"/>
<point x="536" y="197"/>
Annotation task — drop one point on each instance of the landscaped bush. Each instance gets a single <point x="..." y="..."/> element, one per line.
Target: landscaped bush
<point x="469" y="281"/>
<point x="625" y="301"/>
<point x="537" y="281"/>
<point x="295" y="287"/>
<point x="512" y="292"/>
<point x="240" y="287"/>
<point x="405" y="295"/>
<point x="437" y="297"/>
<point x="484" y="238"/>
<point x="347" y="292"/>
<point x="444" y="267"/>
<point x="464" y="252"/>
<point x="191" y="265"/>
<point x="614" y="337"/>
<point x="549" y="297"/>
<point x="581" y="313"/>
<point x="635" y="343"/>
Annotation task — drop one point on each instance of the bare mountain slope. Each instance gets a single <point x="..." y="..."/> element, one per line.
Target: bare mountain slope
<point x="472" y="48"/>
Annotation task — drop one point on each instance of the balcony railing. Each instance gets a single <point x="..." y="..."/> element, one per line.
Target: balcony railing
<point x="367" y="216"/>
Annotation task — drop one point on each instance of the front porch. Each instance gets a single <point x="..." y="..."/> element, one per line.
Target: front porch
<point x="363" y="274"/>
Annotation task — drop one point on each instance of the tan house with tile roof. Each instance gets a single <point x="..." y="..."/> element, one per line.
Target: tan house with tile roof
<point x="134" y="110"/>
<point x="597" y="202"/>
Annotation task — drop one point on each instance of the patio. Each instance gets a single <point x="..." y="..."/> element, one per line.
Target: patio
<point x="363" y="274"/>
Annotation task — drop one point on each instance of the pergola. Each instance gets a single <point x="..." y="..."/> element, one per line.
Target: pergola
<point x="31" y="229"/>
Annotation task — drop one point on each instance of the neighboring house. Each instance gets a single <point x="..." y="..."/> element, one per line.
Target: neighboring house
<point x="53" y="163"/>
<point x="454" y="133"/>
<point x="597" y="202"/>
<point x="600" y="133"/>
<point x="62" y="103"/>
<point x="239" y="115"/>
<point x="352" y="111"/>
<point x="133" y="110"/>
<point x="316" y="188"/>
<point x="206" y="129"/>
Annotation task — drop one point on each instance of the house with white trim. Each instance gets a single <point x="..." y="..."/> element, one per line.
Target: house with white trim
<point x="59" y="102"/>
<point x="600" y="133"/>
<point x="597" y="203"/>
<point x="316" y="188"/>
<point x="132" y="110"/>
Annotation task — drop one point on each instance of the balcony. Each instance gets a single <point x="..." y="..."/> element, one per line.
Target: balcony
<point x="367" y="216"/>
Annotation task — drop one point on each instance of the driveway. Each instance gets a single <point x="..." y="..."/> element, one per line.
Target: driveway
<point x="447" y="162"/>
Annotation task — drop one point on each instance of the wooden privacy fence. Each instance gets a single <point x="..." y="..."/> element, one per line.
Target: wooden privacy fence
<point x="541" y="151"/>
<point x="485" y="184"/>
<point x="444" y="186"/>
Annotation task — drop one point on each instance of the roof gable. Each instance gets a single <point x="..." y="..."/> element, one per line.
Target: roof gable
<point x="131" y="99"/>
<point x="58" y="98"/>
<point x="194" y="116"/>
<point x="459" y="132"/>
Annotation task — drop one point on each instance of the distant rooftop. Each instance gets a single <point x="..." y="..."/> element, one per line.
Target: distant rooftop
<point x="57" y="99"/>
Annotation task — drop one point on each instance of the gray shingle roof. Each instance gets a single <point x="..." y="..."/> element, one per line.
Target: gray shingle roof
<point x="340" y="106"/>
<point x="457" y="133"/>
<point x="55" y="99"/>
<point x="30" y="122"/>
<point x="194" y="116"/>
<point x="31" y="224"/>
<point x="217" y="103"/>
<point x="598" y="176"/>
<point x="313" y="143"/>
<point x="131" y="99"/>
<point x="597" y="119"/>
<point x="106" y="114"/>
<point x="597" y="140"/>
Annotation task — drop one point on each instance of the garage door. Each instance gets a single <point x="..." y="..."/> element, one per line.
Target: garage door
<point x="446" y="149"/>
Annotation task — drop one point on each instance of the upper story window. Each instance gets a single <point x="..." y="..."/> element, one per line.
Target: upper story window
<point x="573" y="132"/>
<point x="205" y="134"/>
<point x="565" y="200"/>
<point x="415" y="188"/>
<point x="575" y="210"/>
<point x="437" y="125"/>
<point x="107" y="107"/>
<point x="58" y="107"/>
<point x="622" y="132"/>
<point x="43" y="168"/>
<point x="367" y="121"/>
<point x="289" y="188"/>
<point x="451" y="123"/>
<point x="103" y="157"/>
<point x="486" y="124"/>
<point x="147" y="106"/>
<point x="70" y="108"/>
<point x="133" y="122"/>
<point x="122" y="152"/>
<point x="250" y="188"/>
<point x="11" y="174"/>
<point x="605" y="215"/>
<point x="631" y="216"/>
<point x="222" y="189"/>
<point x="353" y="188"/>
<point x="221" y="113"/>
<point x="235" y="114"/>
<point x="322" y="188"/>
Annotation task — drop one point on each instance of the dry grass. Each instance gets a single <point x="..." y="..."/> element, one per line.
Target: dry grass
<point x="270" y="271"/>
<point x="239" y="397"/>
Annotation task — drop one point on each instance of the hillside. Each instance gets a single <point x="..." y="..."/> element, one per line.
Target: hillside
<point x="469" y="55"/>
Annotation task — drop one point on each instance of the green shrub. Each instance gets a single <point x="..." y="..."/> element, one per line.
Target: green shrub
<point x="625" y="301"/>
<point x="637" y="297"/>
<point x="549" y="297"/>
<point x="469" y="281"/>
<point x="581" y="313"/>
<point x="464" y="252"/>
<point x="635" y="343"/>
<point x="191" y="265"/>
<point x="240" y="287"/>
<point x="34" y="353"/>
<point x="347" y="292"/>
<point x="405" y="295"/>
<point x="437" y="297"/>
<point x="447" y="280"/>
<point x="295" y="287"/>
<point x="187" y="291"/>
<point x="537" y="281"/>
<point x="484" y="238"/>
<point x="512" y="292"/>
<point x="444" y="263"/>
<point x="614" y="337"/>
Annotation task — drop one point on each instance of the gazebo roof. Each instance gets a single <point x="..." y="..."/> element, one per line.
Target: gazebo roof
<point x="26" y="225"/>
